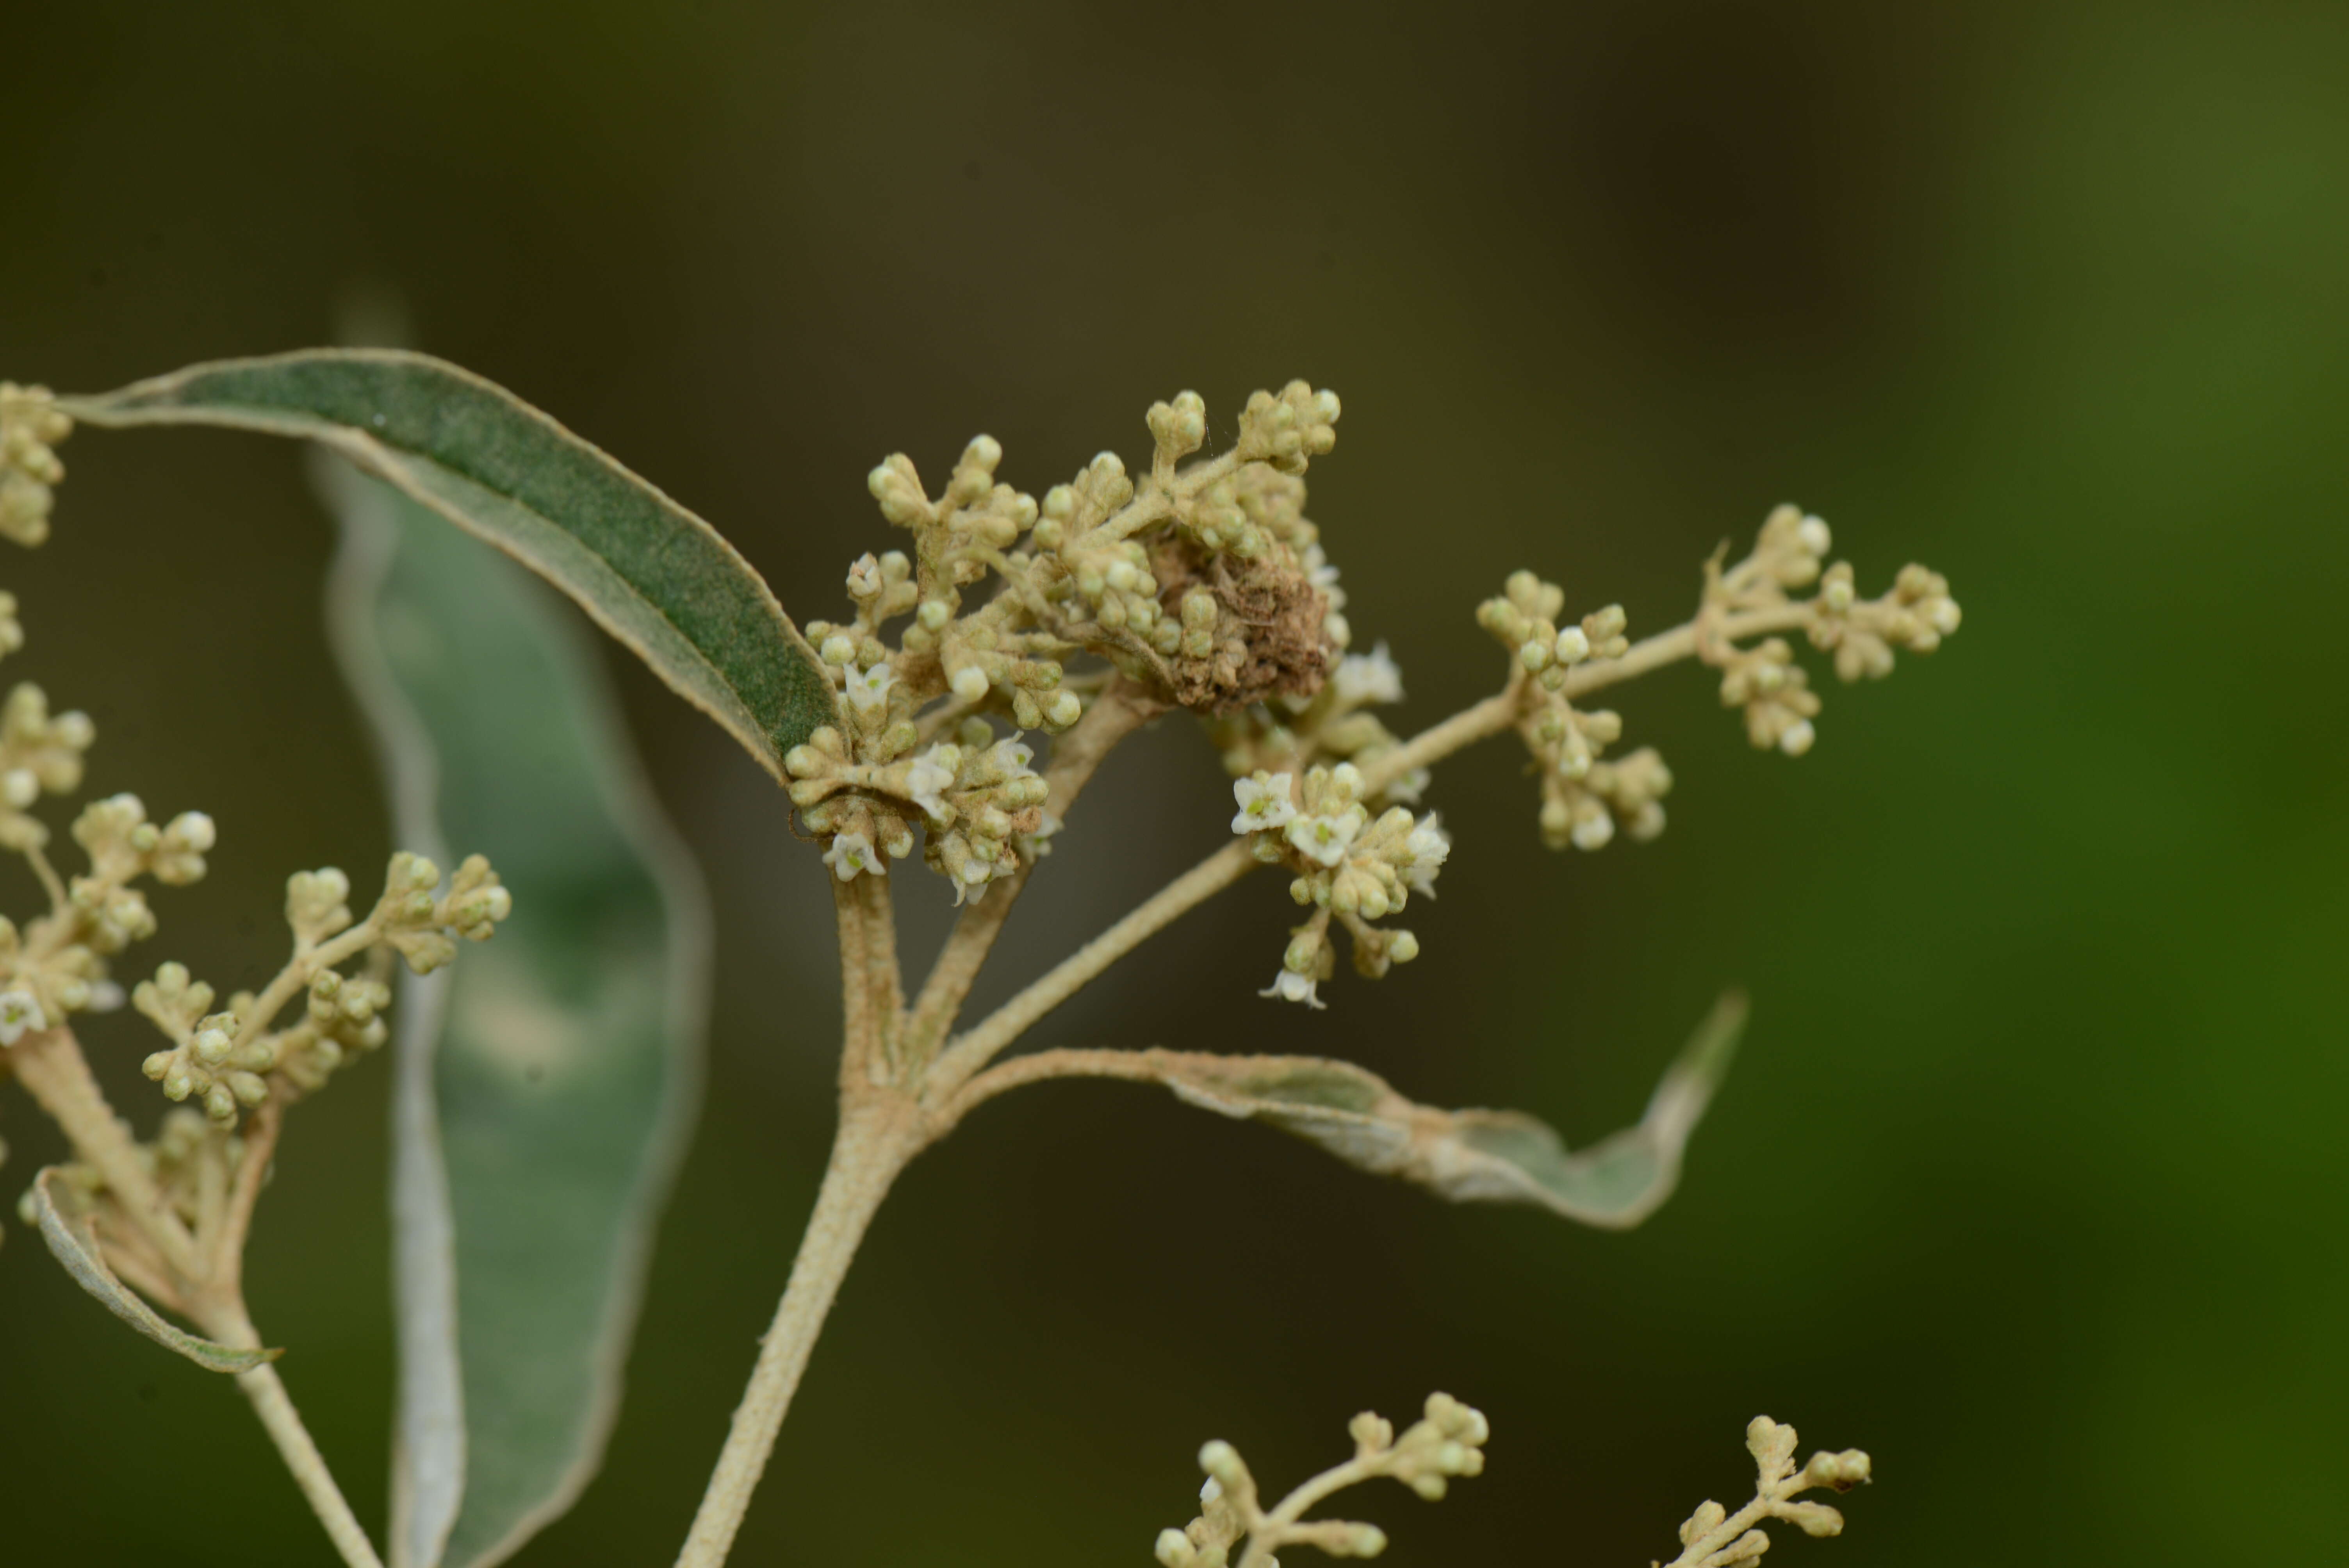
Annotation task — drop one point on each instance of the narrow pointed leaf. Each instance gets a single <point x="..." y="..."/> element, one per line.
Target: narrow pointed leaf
<point x="650" y="572"/>
<point x="1469" y="1156"/>
<point x="547" y="1079"/>
<point x="65" y="1224"/>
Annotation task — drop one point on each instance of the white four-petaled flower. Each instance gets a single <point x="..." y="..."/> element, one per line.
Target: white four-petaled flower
<point x="1325" y="839"/>
<point x="929" y="777"/>
<point x="1264" y="803"/>
<point x="1291" y="986"/>
<point x="869" y="689"/>
<point x="1424" y="853"/>
<point x="20" y="1011"/>
<point x="851" y="854"/>
<point x="1369" y="677"/>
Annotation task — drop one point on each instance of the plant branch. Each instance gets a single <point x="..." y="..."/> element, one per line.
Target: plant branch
<point x="53" y="1070"/>
<point x="1077" y="755"/>
<point x="1139" y="1066"/>
<point x="283" y="1424"/>
<point x="874" y="1142"/>
<point x="978" y="1046"/>
<point x="252" y="1170"/>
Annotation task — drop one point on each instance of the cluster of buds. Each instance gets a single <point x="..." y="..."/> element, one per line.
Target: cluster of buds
<point x="423" y="928"/>
<point x="57" y="965"/>
<point x="1204" y="583"/>
<point x="1348" y="865"/>
<point x="342" y="1018"/>
<point x="984" y="803"/>
<point x="1584" y="797"/>
<point x="234" y="1058"/>
<point x="1713" y="1537"/>
<point x="1764" y="679"/>
<point x="39" y="754"/>
<point x="1862" y="632"/>
<point x="1448" y="1442"/>
<point x="209" y="1059"/>
<point x="1090" y="567"/>
<point x="1776" y="693"/>
<point x="31" y="427"/>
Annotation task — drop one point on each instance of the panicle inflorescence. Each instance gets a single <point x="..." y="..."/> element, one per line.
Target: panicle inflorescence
<point x="1201" y="584"/>
<point x="1348" y="866"/>
<point x="1447" y="1442"/>
<point x="31" y="429"/>
<point x="237" y="1057"/>
<point x="1713" y="1537"/>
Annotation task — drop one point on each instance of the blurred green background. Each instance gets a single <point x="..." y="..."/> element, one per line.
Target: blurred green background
<point x="2031" y="1178"/>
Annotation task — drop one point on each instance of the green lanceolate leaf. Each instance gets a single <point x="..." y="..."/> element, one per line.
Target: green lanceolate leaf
<point x="65" y="1220"/>
<point x="547" y="1079"/>
<point x="650" y="572"/>
<point x="1468" y="1156"/>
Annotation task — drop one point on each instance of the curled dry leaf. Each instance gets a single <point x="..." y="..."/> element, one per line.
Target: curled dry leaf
<point x="1467" y="1156"/>
<point x="66" y="1220"/>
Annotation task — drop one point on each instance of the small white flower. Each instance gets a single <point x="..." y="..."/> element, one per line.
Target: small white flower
<point x="1318" y="570"/>
<point x="1291" y="986"/>
<point x="1797" y="737"/>
<point x="1264" y="803"/>
<point x="970" y="682"/>
<point x="931" y="775"/>
<point x="851" y="854"/>
<point x="1014" y="755"/>
<point x="19" y="788"/>
<point x="868" y="690"/>
<point x="20" y="1011"/>
<point x="1409" y="786"/>
<point x="1424" y="853"/>
<point x="1037" y="844"/>
<point x="1814" y="537"/>
<point x="1594" y="831"/>
<point x="1324" y="838"/>
<point x="106" y="996"/>
<point x="1369" y="677"/>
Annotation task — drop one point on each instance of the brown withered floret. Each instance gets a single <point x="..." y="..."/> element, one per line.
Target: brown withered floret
<point x="1268" y="635"/>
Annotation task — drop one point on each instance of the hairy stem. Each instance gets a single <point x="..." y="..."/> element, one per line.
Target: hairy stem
<point x="1154" y="1066"/>
<point x="295" y="1447"/>
<point x="51" y="1068"/>
<point x="1076" y="757"/>
<point x="874" y="1142"/>
<point x="979" y="1045"/>
<point x="975" y="1048"/>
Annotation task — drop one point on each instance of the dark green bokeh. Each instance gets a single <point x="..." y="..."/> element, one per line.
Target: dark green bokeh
<point x="2029" y="1180"/>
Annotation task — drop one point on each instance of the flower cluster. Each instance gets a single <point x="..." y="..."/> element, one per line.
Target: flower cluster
<point x="1584" y="797"/>
<point x="1764" y="679"/>
<point x="39" y="754"/>
<point x="1348" y="865"/>
<point x="1449" y="1441"/>
<point x="235" y="1057"/>
<point x="1202" y="583"/>
<point x="58" y="963"/>
<point x="1713" y="1537"/>
<point x="31" y="428"/>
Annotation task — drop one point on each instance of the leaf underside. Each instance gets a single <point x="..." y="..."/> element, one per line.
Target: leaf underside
<point x="652" y="574"/>
<point x="67" y="1225"/>
<point x="548" y="1078"/>
<point x="1469" y="1156"/>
